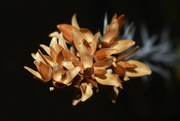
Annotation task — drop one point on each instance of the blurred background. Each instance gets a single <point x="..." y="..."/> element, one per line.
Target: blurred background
<point x="26" y="24"/>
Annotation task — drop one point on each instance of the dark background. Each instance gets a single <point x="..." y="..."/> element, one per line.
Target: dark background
<point x="26" y="24"/>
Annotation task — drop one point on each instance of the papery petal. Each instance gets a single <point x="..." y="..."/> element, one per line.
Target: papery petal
<point x="38" y="57"/>
<point x="66" y="29"/>
<point x="104" y="63"/>
<point x="68" y="64"/>
<point x="141" y="69"/>
<point x="58" y="72"/>
<point x="62" y="42"/>
<point x="94" y="43"/>
<point x="121" y="20"/>
<point x="87" y="93"/>
<point x="121" y="57"/>
<point x="53" y="44"/>
<point x="85" y="56"/>
<point x="104" y="53"/>
<point x="71" y="74"/>
<point x="44" y="70"/>
<point x="108" y="79"/>
<point x="46" y="59"/>
<point x="74" y="22"/>
<point x="118" y="69"/>
<point x="111" y="33"/>
<point x="122" y="45"/>
<point x="126" y="65"/>
<point x="35" y="73"/>
<point x="54" y="34"/>
<point x="33" y="55"/>
<point x="87" y="34"/>
<point x="45" y="48"/>
<point x="53" y="54"/>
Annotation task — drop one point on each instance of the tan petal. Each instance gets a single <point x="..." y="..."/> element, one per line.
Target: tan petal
<point x="53" y="44"/>
<point x="104" y="63"/>
<point x="33" y="55"/>
<point x="108" y="79"/>
<point x="62" y="42"/>
<point x="122" y="45"/>
<point x="68" y="64"/>
<point x="44" y="70"/>
<point x="94" y="43"/>
<point x="71" y="74"/>
<point x="141" y="69"/>
<point x="111" y="33"/>
<point x="35" y="73"/>
<point x="54" y="34"/>
<point x="66" y="29"/>
<point x="58" y="72"/>
<point x="46" y="59"/>
<point x="121" y="57"/>
<point x="45" y="48"/>
<point x="39" y="58"/>
<point x="87" y="34"/>
<point x="85" y="56"/>
<point x="87" y="93"/>
<point x="74" y="22"/>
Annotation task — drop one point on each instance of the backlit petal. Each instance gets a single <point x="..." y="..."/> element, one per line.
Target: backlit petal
<point x="85" y="56"/>
<point x="122" y="45"/>
<point x="35" y="73"/>
<point x="108" y="79"/>
<point x="74" y="22"/>
<point x="141" y="69"/>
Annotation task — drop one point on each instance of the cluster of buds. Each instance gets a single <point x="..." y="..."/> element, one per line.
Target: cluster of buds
<point x="77" y="57"/>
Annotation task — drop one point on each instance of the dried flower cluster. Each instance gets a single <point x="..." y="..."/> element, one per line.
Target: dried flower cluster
<point x="77" y="57"/>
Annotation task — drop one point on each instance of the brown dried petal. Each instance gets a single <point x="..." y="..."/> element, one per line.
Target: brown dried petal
<point x="98" y="71"/>
<point x="119" y="70"/>
<point x="66" y="29"/>
<point x="121" y="20"/>
<point x="126" y="65"/>
<point x="44" y="70"/>
<point x="104" y="53"/>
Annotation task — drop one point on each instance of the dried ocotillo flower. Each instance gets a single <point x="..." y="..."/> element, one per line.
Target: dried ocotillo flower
<point x="87" y="62"/>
